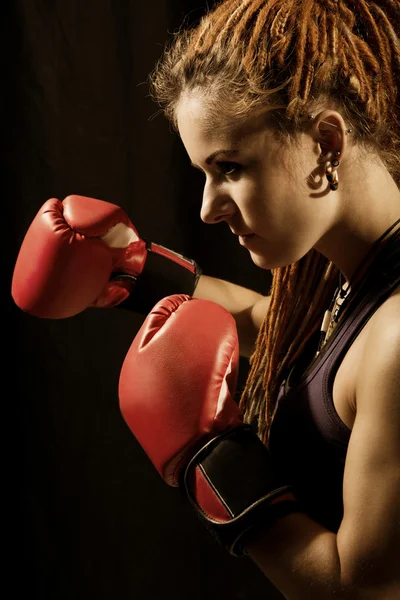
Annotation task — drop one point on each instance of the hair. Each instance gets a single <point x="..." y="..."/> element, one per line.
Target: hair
<point x="289" y="57"/>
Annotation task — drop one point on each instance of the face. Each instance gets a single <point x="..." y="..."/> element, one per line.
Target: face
<point x="256" y="185"/>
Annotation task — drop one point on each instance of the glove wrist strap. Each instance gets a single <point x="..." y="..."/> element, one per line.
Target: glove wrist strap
<point x="165" y="273"/>
<point x="233" y="488"/>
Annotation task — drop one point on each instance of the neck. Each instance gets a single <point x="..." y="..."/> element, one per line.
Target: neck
<point x="364" y="211"/>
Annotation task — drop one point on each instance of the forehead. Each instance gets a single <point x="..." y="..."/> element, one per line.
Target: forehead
<point x="195" y="119"/>
<point x="198" y="126"/>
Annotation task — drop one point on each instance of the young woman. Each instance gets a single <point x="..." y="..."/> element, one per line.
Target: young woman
<point x="291" y="110"/>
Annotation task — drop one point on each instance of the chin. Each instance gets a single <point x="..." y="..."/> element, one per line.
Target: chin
<point x="274" y="262"/>
<point x="262" y="262"/>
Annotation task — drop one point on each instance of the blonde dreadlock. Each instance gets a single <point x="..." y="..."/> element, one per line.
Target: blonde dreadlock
<point x="290" y="56"/>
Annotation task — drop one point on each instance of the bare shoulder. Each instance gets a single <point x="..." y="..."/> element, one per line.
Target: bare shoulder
<point x="370" y="531"/>
<point x="386" y="320"/>
<point x="381" y="352"/>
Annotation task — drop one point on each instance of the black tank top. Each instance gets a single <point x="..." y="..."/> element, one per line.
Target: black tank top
<point x="308" y="440"/>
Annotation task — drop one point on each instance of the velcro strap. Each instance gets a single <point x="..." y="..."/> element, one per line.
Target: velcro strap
<point x="165" y="273"/>
<point x="233" y="487"/>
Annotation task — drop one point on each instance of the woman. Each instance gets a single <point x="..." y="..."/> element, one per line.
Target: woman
<point x="291" y="110"/>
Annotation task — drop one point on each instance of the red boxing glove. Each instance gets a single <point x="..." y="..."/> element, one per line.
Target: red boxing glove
<point x="69" y="253"/>
<point x="176" y="394"/>
<point x="85" y="252"/>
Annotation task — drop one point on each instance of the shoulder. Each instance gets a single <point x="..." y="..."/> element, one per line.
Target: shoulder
<point x="378" y="376"/>
<point x="385" y="324"/>
<point x="370" y="531"/>
<point x="380" y="359"/>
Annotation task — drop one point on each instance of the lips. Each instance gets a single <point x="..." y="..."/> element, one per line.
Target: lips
<point x="246" y="240"/>
<point x="240" y="234"/>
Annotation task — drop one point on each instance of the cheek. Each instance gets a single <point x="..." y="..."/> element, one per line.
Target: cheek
<point x="271" y="201"/>
<point x="276" y="206"/>
<point x="275" y="191"/>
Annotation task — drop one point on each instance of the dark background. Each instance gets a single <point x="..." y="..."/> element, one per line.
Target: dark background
<point x="87" y="516"/>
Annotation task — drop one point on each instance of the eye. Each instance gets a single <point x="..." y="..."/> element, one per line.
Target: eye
<point x="228" y="168"/>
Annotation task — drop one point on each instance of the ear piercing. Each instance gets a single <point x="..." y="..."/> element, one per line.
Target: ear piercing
<point x="311" y="117"/>
<point x="332" y="125"/>
<point x="331" y="172"/>
<point x="333" y="164"/>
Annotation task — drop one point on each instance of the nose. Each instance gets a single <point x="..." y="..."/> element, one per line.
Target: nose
<point x="216" y="206"/>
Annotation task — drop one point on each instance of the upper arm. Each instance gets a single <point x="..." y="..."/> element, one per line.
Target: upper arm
<point x="369" y="536"/>
<point x="249" y="322"/>
<point x="247" y="307"/>
<point x="259" y="310"/>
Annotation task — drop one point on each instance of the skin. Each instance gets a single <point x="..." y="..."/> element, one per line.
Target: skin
<point x="280" y="194"/>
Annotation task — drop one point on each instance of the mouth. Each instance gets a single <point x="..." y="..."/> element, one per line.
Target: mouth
<point x="245" y="239"/>
<point x="240" y="234"/>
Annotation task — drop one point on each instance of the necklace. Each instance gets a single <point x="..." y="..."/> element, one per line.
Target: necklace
<point x="331" y="315"/>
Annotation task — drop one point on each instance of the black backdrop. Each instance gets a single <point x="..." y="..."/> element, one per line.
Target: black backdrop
<point x="87" y="515"/>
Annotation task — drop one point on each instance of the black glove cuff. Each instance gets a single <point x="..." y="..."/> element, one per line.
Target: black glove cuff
<point x="238" y="468"/>
<point x="165" y="273"/>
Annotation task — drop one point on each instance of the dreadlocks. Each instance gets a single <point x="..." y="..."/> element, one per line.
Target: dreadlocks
<point x="290" y="56"/>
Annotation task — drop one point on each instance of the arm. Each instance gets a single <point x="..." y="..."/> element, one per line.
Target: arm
<point x="176" y="394"/>
<point x="247" y="307"/>
<point x="306" y="561"/>
<point x="84" y="252"/>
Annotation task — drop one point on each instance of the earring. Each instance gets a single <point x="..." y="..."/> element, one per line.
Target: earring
<point x="332" y="174"/>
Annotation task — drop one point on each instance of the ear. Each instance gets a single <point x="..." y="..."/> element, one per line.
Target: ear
<point x="330" y="131"/>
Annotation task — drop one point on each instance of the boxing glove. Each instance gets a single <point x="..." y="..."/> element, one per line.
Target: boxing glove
<point x="176" y="393"/>
<point x="85" y="252"/>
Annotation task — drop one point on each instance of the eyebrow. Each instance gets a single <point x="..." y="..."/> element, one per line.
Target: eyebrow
<point x="210" y="158"/>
